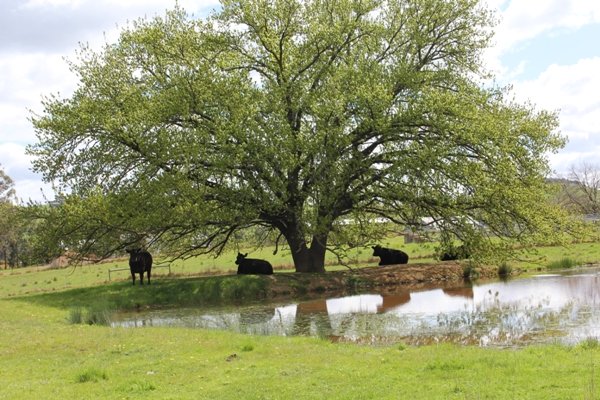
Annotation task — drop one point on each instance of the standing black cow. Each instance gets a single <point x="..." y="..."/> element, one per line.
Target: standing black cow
<point x="140" y="261"/>
<point x="390" y="256"/>
<point x="252" y="265"/>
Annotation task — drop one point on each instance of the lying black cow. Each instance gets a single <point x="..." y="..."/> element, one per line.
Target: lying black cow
<point x="455" y="253"/>
<point x="252" y="265"/>
<point x="140" y="261"/>
<point x="390" y="256"/>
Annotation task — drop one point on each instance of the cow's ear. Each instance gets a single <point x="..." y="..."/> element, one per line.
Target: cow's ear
<point x="245" y="255"/>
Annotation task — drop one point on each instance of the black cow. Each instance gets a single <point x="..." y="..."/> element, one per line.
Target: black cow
<point x="390" y="256"/>
<point x="140" y="261"/>
<point x="252" y="265"/>
<point x="455" y="253"/>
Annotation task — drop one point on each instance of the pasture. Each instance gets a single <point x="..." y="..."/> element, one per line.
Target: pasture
<point x="41" y="279"/>
<point x="46" y="356"/>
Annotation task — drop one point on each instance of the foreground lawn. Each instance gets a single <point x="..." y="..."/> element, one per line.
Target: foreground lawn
<point x="44" y="357"/>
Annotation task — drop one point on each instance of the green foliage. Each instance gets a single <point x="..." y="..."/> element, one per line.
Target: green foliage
<point x="306" y="120"/>
<point x="7" y="190"/>
<point x="563" y="263"/>
<point x="15" y="231"/>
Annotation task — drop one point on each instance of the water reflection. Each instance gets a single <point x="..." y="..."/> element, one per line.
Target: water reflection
<point x="544" y="308"/>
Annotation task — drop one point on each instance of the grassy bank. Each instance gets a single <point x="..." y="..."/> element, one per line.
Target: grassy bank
<point x="32" y="280"/>
<point x="42" y="356"/>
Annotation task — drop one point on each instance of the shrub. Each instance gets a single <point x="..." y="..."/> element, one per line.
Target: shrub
<point x="589" y="344"/>
<point x="564" y="263"/>
<point x="470" y="271"/>
<point x="95" y="316"/>
<point x="504" y="269"/>
<point x="75" y="315"/>
<point x="91" y="375"/>
<point x="247" y="347"/>
<point x="98" y="317"/>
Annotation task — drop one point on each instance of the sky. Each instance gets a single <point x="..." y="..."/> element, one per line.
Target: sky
<point x="547" y="50"/>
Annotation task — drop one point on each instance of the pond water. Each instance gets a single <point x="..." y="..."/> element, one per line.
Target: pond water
<point x="562" y="307"/>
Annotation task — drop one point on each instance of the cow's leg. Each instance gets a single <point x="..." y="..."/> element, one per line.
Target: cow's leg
<point x="133" y="278"/>
<point x="142" y="278"/>
<point x="148" y="276"/>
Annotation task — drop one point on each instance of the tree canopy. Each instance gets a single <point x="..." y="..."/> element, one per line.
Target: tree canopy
<point x="311" y="119"/>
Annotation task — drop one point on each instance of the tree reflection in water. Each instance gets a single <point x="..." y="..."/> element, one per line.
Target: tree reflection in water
<point x="532" y="310"/>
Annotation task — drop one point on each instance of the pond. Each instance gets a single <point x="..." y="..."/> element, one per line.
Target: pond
<point x="548" y="308"/>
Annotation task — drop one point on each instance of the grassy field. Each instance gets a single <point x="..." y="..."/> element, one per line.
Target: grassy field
<point x="31" y="280"/>
<point x="43" y="355"/>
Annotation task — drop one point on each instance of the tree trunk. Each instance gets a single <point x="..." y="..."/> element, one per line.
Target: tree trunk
<point x="308" y="259"/>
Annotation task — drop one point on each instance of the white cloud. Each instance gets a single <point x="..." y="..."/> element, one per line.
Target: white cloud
<point x="58" y="25"/>
<point x="562" y="162"/>
<point x="33" y="190"/>
<point x="17" y="165"/>
<point x="522" y="21"/>
<point x="15" y="162"/>
<point x="36" y="37"/>
<point x="574" y="90"/>
<point x="24" y="79"/>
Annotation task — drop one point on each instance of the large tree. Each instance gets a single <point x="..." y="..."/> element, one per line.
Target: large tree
<point x="305" y="117"/>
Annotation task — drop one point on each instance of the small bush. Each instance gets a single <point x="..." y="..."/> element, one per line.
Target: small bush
<point x="589" y="344"/>
<point x="470" y="271"/>
<point x="141" y="386"/>
<point x="504" y="269"/>
<point x="564" y="263"/>
<point x="75" y="316"/>
<point x="97" y="316"/>
<point x="91" y="375"/>
<point x="247" y="347"/>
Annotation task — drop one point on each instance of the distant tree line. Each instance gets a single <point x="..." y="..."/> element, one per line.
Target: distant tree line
<point x="20" y="243"/>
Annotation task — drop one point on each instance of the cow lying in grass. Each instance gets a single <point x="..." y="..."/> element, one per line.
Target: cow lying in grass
<point x="390" y="256"/>
<point x="140" y="261"/>
<point x="455" y="253"/>
<point x="252" y="265"/>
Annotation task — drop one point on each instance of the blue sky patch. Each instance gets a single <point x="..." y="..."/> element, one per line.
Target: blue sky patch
<point x="562" y="47"/>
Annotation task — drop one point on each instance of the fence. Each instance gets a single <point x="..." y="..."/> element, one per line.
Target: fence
<point x="127" y="269"/>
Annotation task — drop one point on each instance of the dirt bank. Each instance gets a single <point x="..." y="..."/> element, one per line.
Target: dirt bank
<point x="388" y="278"/>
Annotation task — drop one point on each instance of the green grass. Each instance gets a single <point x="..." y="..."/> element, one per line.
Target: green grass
<point x="45" y="357"/>
<point x="34" y="280"/>
<point x="91" y="375"/>
<point x="563" y="263"/>
<point x="91" y="305"/>
<point x="49" y="349"/>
